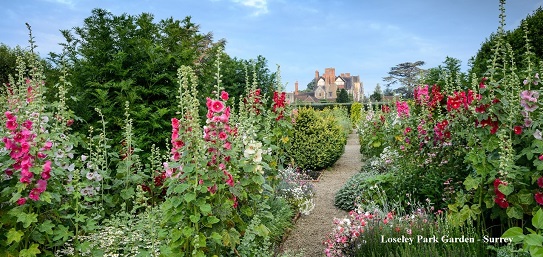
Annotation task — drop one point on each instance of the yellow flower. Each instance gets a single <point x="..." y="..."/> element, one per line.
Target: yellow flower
<point x="284" y="140"/>
<point x="399" y="138"/>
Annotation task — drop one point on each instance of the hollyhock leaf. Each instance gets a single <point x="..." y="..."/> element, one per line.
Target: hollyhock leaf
<point x="506" y="189"/>
<point x="471" y="183"/>
<point x="27" y="218"/>
<point x="536" y="250"/>
<point x="205" y="208"/>
<point x="127" y="193"/>
<point x="213" y="220"/>
<point x="195" y="218"/>
<point x="33" y="251"/>
<point x="62" y="233"/>
<point x="533" y="240"/>
<point x="14" y="235"/>
<point x="514" y="212"/>
<point x="537" y="219"/>
<point x="189" y="197"/>
<point x="515" y="233"/>
<point x="47" y="227"/>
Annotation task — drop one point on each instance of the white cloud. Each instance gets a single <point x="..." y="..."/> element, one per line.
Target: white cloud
<point x="260" y="6"/>
<point x="69" y="3"/>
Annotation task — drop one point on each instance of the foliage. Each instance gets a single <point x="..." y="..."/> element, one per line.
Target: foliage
<point x="448" y="73"/>
<point x="356" y="113"/>
<point x="532" y="242"/>
<point x="317" y="141"/>
<point x="377" y="95"/>
<point x="343" y="96"/>
<point x="407" y="74"/>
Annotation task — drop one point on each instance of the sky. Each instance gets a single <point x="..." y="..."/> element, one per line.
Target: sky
<point x="361" y="37"/>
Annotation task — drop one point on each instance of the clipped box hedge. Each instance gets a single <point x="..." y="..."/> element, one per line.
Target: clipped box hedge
<point x="318" y="140"/>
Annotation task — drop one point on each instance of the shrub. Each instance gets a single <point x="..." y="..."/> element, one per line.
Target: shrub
<point x="340" y="114"/>
<point x="317" y="141"/>
<point x="360" y="188"/>
<point x="356" y="113"/>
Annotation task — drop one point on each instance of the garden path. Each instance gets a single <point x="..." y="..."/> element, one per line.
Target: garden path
<point x="311" y="230"/>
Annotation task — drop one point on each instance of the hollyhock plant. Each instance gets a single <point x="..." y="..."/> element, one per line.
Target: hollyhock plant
<point x="402" y="108"/>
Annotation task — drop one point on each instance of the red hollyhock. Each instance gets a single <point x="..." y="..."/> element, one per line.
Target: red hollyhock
<point x="518" y="130"/>
<point x="502" y="202"/>
<point x="539" y="198"/>
<point x="540" y="182"/>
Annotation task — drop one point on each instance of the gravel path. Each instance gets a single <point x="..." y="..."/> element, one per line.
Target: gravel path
<point x="310" y="231"/>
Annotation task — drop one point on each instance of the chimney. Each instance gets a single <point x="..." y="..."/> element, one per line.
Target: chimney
<point x="296" y="88"/>
<point x="347" y="74"/>
<point x="316" y="76"/>
<point x="342" y="75"/>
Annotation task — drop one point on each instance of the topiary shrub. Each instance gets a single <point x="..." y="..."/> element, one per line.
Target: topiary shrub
<point x="317" y="141"/>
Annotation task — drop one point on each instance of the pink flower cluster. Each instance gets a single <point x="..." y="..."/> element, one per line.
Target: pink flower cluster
<point x="403" y="109"/>
<point x="19" y="144"/>
<point x="421" y="94"/>
<point x="528" y="100"/>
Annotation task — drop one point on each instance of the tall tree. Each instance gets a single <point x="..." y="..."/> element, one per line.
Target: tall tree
<point x="343" y="96"/>
<point x="115" y="59"/>
<point x="407" y="74"/>
<point x="449" y="72"/>
<point x="377" y="95"/>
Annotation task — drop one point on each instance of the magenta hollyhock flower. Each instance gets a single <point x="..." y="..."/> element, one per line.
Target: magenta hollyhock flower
<point x="224" y="96"/>
<point x="41" y="185"/>
<point x="402" y="108"/>
<point x="45" y="175"/>
<point x="34" y="194"/>
<point x="27" y="124"/>
<point x="223" y="136"/>
<point x="21" y="201"/>
<point x="227" y="146"/>
<point x="528" y="122"/>
<point x="230" y="180"/>
<point x="47" y="166"/>
<point x="175" y="123"/>
<point x="539" y="198"/>
<point x="216" y="106"/>
<point x="540" y="181"/>
<point x="47" y="145"/>
<point x="541" y="157"/>
<point x="11" y="125"/>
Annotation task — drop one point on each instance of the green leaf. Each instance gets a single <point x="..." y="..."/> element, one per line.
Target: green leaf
<point x="537" y="219"/>
<point x="33" y="251"/>
<point x="127" y="193"/>
<point x="536" y="250"/>
<point x="376" y="144"/>
<point x="506" y="189"/>
<point x="515" y="233"/>
<point x="212" y="220"/>
<point x="471" y="183"/>
<point x="27" y="218"/>
<point x="180" y="189"/>
<point x="195" y="218"/>
<point x="514" y="212"/>
<point x="47" y="227"/>
<point x="533" y="240"/>
<point x="62" y="232"/>
<point x="14" y="235"/>
<point x="262" y="230"/>
<point x="205" y="208"/>
<point x="189" y="197"/>
<point x="216" y="237"/>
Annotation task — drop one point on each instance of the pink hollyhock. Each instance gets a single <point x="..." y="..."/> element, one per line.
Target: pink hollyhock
<point x="217" y="106"/>
<point x="230" y="180"/>
<point x="34" y="194"/>
<point x="47" y="145"/>
<point x="227" y="146"/>
<point x="27" y="124"/>
<point x="212" y="189"/>
<point x="47" y="166"/>
<point x="223" y="136"/>
<point x="402" y="109"/>
<point x="541" y="157"/>
<point x="11" y="125"/>
<point x="21" y="201"/>
<point x="539" y="198"/>
<point x="175" y="123"/>
<point x="41" y="185"/>
<point x="224" y="95"/>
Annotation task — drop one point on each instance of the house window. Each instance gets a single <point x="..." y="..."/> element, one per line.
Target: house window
<point x="330" y="94"/>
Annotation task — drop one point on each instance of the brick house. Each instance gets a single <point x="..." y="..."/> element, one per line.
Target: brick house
<point x="327" y="85"/>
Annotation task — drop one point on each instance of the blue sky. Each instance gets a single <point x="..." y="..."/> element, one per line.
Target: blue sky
<point x="362" y="37"/>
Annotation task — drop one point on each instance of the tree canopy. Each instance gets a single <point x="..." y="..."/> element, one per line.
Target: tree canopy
<point x="407" y="74"/>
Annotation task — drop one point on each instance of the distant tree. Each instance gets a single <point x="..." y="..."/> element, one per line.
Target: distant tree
<point x="407" y="74"/>
<point x="343" y="96"/>
<point x="388" y="91"/>
<point x="449" y="72"/>
<point x="377" y="95"/>
<point x="310" y="86"/>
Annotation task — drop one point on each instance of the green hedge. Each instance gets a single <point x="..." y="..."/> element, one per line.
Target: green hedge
<point x="360" y="188"/>
<point x="318" y="140"/>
